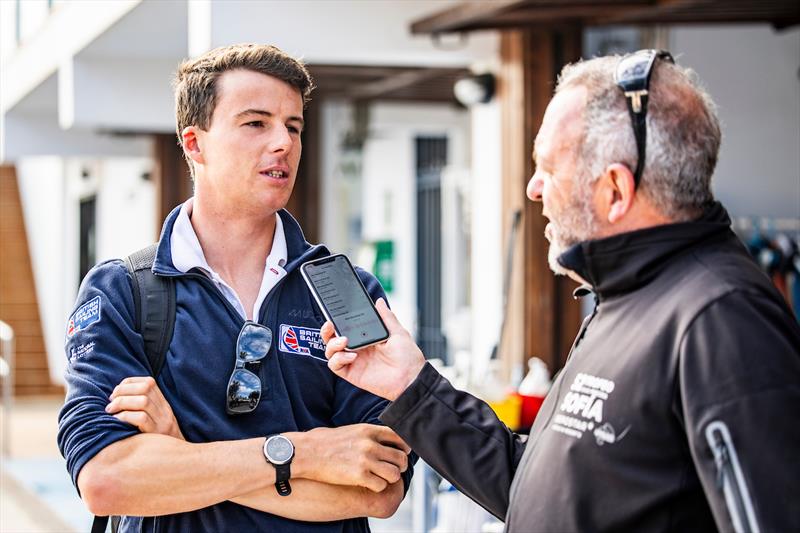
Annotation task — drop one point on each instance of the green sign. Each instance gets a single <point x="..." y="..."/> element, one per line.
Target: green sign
<point x="384" y="264"/>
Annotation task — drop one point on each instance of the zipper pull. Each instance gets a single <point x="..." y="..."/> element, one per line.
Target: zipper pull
<point x="721" y="459"/>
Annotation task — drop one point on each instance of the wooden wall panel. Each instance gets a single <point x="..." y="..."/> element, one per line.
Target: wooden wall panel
<point x="18" y="304"/>
<point x="543" y="318"/>
<point x="171" y="177"/>
<point x="304" y="204"/>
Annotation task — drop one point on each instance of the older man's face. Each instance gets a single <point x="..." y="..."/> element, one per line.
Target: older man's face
<point x="567" y="206"/>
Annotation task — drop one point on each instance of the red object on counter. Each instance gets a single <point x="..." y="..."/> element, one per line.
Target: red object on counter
<point x="530" y="407"/>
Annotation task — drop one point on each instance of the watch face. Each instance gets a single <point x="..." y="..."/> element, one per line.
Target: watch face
<point x="279" y="449"/>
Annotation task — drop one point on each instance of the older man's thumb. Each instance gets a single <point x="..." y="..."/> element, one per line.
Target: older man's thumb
<point x="388" y="317"/>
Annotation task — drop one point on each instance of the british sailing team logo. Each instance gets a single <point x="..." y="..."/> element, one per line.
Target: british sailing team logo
<point x="301" y="341"/>
<point x="84" y="316"/>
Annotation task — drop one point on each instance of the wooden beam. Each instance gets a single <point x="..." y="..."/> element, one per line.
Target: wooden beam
<point x="524" y="14"/>
<point x="455" y="18"/>
<point x="395" y="82"/>
<point x="542" y="315"/>
<point x="512" y="90"/>
<point x="530" y="15"/>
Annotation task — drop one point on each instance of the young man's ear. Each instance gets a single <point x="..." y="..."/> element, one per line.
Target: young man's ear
<point x="190" y="140"/>
<point x="616" y="190"/>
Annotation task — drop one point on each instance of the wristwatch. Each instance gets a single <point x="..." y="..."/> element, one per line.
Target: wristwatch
<point x="279" y="451"/>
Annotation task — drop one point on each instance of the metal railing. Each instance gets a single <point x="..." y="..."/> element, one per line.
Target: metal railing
<point x="7" y="378"/>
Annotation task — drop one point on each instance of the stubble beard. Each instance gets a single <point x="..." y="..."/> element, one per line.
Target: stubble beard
<point x="575" y="222"/>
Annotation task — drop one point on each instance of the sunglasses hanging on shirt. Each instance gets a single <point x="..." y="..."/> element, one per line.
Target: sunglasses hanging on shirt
<point x="244" y="386"/>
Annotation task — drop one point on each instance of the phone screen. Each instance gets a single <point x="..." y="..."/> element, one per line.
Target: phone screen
<point x="345" y="302"/>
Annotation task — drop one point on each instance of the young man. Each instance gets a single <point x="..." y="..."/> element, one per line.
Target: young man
<point x="676" y="410"/>
<point x="186" y="451"/>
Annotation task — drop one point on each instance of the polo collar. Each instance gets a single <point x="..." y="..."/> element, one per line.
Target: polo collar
<point x="297" y="250"/>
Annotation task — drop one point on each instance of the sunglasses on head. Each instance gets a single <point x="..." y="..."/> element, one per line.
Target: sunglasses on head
<point x="633" y="77"/>
<point x="244" y="387"/>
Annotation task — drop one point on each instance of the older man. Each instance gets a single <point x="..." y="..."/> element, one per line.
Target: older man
<point x="677" y="408"/>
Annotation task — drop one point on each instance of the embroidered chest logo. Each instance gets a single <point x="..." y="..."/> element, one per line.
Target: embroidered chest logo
<point x="84" y="316"/>
<point x="300" y="340"/>
<point x="581" y="410"/>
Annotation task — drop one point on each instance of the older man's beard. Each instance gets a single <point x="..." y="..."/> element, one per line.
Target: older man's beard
<point x="573" y="223"/>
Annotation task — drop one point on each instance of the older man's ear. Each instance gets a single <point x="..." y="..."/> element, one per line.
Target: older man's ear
<point x="615" y="193"/>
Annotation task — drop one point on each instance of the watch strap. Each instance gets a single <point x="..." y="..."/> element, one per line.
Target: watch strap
<point x="282" y="475"/>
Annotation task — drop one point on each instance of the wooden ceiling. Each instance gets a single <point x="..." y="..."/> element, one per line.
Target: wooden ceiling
<point x="503" y="14"/>
<point x="362" y="83"/>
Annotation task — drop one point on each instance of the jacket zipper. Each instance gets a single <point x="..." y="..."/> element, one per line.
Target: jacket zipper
<point x="584" y="327"/>
<point x="525" y="456"/>
<point x="730" y="478"/>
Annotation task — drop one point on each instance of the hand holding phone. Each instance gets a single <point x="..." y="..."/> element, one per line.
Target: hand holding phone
<point x="344" y="301"/>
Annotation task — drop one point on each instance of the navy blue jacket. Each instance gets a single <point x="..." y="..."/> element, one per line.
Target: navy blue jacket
<point x="299" y="392"/>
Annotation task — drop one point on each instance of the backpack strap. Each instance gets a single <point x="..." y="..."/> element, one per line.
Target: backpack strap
<point x="154" y="315"/>
<point x="154" y="304"/>
<point x="100" y="524"/>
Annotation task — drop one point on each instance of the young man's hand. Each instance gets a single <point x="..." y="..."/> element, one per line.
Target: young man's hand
<point x="384" y="369"/>
<point x="364" y="455"/>
<point x="139" y="402"/>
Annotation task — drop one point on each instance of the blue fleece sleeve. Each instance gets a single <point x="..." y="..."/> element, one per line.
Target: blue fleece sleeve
<point x="102" y="348"/>
<point x="353" y="405"/>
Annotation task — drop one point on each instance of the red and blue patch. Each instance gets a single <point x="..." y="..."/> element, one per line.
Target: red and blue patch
<point x="84" y="316"/>
<point x="301" y="341"/>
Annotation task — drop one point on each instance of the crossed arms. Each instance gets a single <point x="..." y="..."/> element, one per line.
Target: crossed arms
<point x="337" y="473"/>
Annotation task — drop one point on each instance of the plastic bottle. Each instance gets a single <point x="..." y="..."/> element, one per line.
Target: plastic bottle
<point x="532" y="390"/>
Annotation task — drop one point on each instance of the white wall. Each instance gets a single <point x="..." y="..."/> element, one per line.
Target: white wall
<point x="753" y="73"/>
<point x="42" y="192"/>
<point x="109" y="94"/>
<point x="51" y="189"/>
<point x="8" y="14"/>
<point x="487" y="222"/>
<point x="126" y="208"/>
<point x="343" y="31"/>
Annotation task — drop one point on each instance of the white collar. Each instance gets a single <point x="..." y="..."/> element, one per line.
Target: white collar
<point x="188" y="254"/>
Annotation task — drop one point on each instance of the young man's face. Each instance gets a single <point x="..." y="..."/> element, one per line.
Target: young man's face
<point x="569" y="209"/>
<point x="251" y="150"/>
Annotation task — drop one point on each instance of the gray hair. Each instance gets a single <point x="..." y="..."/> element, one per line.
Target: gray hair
<point x="683" y="134"/>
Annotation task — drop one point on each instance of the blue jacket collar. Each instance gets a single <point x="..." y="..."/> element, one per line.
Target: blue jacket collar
<point x="299" y="250"/>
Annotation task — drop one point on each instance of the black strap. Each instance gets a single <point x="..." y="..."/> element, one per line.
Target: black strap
<point x="154" y="302"/>
<point x="154" y="315"/>
<point x="282" y="475"/>
<point x="100" y="523"/>
<point x="640" y="134"/>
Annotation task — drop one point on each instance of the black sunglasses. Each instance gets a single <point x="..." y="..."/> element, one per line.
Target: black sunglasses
<point x="244" y="387"/>
<point x="633" y="77"/>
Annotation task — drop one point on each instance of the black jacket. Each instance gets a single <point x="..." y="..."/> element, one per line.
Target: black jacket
<point x="678" y="409"/>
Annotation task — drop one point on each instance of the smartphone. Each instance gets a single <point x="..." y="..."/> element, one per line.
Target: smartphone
<point x="344" y="300"/>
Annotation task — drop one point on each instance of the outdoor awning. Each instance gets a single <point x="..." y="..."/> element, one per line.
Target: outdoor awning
<point x="415" y="84"/>
<point x="508" y="14"/>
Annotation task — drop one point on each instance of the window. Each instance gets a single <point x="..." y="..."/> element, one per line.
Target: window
<point x="18" y="21"/>
<point x="87" y="236"/>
